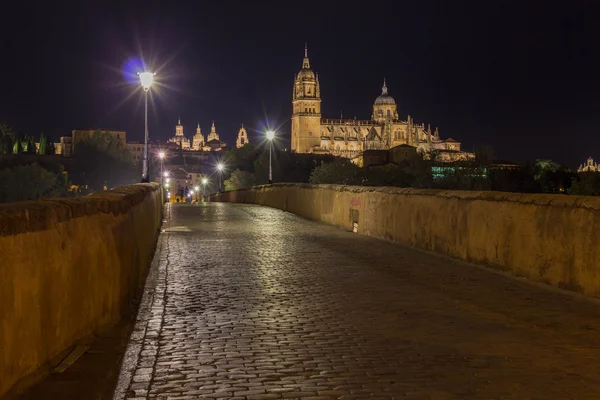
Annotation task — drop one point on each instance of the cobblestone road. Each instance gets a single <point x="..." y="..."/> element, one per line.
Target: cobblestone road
<point x="247" y="302"/>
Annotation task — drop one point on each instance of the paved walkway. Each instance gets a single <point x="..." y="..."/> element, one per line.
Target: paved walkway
<point x="247" y="302"/>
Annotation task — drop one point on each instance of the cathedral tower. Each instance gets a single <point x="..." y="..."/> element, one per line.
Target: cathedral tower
<point x="212" y="135"/>
<point x="242" y="138"/>
<point x="179" y="128"/>
<point x="306" y="113"/>
<point x="198" y="139"/>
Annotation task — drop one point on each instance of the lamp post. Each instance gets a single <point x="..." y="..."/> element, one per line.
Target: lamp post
<point x="204" y="182"/>
<point x="220" y="169"/>
<point x="146" y="79"/>
<point x="197" y="191"/>
<point x="161" y="156"/>
<point x="270" y="136"/>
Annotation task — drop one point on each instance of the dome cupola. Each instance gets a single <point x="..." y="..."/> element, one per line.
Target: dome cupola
<point x="385" y="98"/>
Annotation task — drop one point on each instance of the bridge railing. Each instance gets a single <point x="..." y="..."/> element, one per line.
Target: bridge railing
<point x="68" y="267"/>
<point x="543" y="237"/>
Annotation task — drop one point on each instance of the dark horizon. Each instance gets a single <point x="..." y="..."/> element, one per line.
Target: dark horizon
<point x="519" y="77"/>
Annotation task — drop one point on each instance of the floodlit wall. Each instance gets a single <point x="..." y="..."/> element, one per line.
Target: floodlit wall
<point x="68" y="267"/>
<point x="548" y="238"/>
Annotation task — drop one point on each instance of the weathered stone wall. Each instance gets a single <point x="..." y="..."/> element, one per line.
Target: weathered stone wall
<point x="67" y="267"/>
<point x="547" y="238"/>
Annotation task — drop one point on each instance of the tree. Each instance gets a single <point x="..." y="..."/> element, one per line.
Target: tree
<point x="32" y="182"/>
<point x="43" y="145"/>
<point x="340" y="171"/>
<point x="484" y="155"/>
<point x="6" y="138"/>
<point x="242" y="158"/>
<point x="102" y="161"/>
<point x="585" y="184"/>
<point x="240" y="180"/>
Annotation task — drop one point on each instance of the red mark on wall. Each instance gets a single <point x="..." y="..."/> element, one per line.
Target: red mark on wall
<point x="355" y="202"/>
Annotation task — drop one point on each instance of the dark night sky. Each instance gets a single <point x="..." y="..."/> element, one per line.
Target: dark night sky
<point x="520" y="76"/>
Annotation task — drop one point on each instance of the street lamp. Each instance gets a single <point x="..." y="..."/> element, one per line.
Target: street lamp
<point x="270" y="136"/>
<point x="204" y="182"/>
<point x="197" y="191"/>
<point x="161" y="156"/>
<point x="220" y="167"/>
<point x="146" y="79"/>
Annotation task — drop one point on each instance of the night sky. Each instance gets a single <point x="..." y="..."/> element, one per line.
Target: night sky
<point x="520" y="76"/>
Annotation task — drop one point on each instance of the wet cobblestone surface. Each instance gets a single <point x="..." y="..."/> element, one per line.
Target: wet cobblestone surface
<point x="250" y="303"/>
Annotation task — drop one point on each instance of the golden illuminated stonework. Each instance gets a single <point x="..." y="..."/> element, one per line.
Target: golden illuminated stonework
<point x="311" y="133"/>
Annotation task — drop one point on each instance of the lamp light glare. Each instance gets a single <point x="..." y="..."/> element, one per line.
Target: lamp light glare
<point x="161" y="155"/>
<point x="270" y="135"/>
<point x="146" y="79"/>
<point x="220" y="167"/>
<point x="204" y="181"/>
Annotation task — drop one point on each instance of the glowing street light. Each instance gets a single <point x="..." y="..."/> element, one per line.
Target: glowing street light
<point x="166" y="174"/>
<point x="220" y="167"/>
<point x="161" y="155"/>
<point x="270" y="137"/>
<point x="204" y="181"/>
<point x="146" y="79"/>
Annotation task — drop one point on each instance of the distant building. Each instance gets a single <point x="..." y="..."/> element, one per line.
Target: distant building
<point x="179" y="138"/>
<point x="590" y="165"/>
<point x="212" y="143"/>
<point x="242" y="138"/>
<point x="198" y="139"/>
<point x="349" y="137"/>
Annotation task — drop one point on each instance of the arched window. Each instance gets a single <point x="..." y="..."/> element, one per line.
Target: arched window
<point x="314" y="112"/>
<point x="388" y="113"/>
<point x="242" y="141"/>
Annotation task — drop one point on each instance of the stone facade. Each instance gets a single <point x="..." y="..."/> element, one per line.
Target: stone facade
<point x="349" y="137"/>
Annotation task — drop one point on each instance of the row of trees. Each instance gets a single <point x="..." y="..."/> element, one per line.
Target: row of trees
<point x="248" y="166"/>
<point x="12" y="142"/>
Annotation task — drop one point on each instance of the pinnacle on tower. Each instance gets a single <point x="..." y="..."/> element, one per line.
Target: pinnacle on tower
<point x="179" y="121"/>
<point x="384" y="90"/>
<point x="305" y="62"/>
<point x="212" y="128"/>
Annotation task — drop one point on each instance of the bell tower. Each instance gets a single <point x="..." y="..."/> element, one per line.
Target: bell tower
<point x="306" y="109"/>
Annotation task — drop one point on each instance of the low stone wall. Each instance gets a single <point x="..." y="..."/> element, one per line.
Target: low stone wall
<point x="68" y="267"/>
<point x="548" y="238"/>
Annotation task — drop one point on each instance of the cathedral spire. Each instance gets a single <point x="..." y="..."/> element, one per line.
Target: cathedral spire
<point x="384" y="91"/>
<point x="305" y="62"/>
<point x="212" y="128"/>
<point x="179" y="121"/>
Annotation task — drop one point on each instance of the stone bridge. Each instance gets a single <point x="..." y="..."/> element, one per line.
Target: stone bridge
<point x="329" y="292"/>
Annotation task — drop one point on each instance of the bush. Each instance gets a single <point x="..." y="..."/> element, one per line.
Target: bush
<point x="31" y="182"/>
<point x="340" y="171"/>
<point x="240" y="180"/>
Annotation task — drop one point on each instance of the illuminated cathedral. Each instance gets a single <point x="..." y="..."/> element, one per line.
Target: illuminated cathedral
<point x="311" y="133"/>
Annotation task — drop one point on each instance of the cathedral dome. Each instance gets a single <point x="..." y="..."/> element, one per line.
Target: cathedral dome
<point x="385" y="98"/>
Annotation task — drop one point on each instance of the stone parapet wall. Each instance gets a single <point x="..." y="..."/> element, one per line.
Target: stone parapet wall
<point x="548" y="238"/>
<point x="68" y="267"/>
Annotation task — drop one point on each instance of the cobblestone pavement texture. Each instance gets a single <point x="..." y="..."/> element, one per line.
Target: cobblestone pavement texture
<point x="248" y="302"/>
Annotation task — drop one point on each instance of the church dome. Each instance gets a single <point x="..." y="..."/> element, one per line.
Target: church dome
<point x="385" y="98"/>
